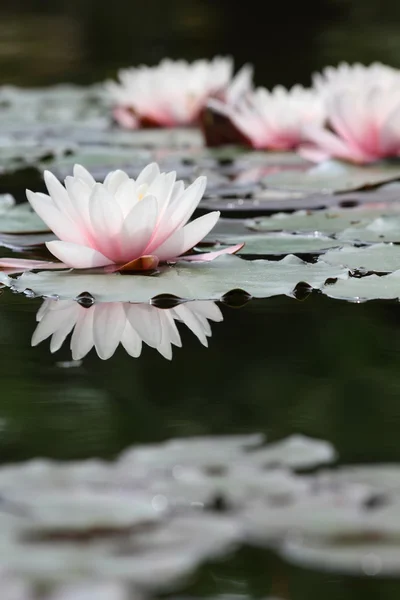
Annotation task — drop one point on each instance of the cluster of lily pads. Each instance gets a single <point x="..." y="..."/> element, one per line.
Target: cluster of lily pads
<point x="145" y="522"/>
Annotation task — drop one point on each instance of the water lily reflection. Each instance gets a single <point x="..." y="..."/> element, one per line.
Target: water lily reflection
<point x="106" y="325"/>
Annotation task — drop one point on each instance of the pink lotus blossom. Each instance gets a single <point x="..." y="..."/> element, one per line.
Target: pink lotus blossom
<point x="363" y="115"/>
<point x="122" y="223"/>
<point x="174" y="92"/>
<point x="272" y="120"/>
<point x="106" y="325"/>
<point x="355" y="76"/>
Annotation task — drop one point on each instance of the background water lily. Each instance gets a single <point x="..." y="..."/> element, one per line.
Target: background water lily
<point x="106" y="325"/>
<point x="123" y="221"/>
<point x="272" y="119"/>
<point x="173" y="92"/>
<point x="362" y="111"/>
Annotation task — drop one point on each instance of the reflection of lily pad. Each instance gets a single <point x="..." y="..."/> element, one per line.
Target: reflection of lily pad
<point x="367" y="288"/>
<point x="195" y="281"/>
<point x="334" y="176"/>
<point x="382" y="258"/>
<point x="378" y="558"/>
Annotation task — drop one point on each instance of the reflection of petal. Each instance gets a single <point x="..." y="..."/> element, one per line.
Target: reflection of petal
<point x="106" y="325"/>
<point x="82" y="338"/>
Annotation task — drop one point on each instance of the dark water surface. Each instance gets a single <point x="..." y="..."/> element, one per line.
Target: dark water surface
<point x="325" y="368"/>
<point x="322" y="367"/>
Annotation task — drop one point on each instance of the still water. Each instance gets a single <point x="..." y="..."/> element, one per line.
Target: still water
<point x="325" y="368"/>
<point x="322" y="367"/>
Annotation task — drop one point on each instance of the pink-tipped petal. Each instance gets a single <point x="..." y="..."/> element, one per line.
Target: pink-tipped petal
<point x="186" y="238"/>
<point x="209" y="256"/>
<point x="60" y="223"/>
<point x="107" y="221"/>
<point x="77" y="257"/>
<point x="18" y="265"/>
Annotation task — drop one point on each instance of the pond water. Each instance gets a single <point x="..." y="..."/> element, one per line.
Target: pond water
<point x="322" y="367"/>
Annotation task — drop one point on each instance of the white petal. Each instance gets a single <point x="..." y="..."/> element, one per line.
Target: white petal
<point x="187" y="316"/>
<point x="58" y="194"/>
<point x="82" y="338"/>
<point x="209" y="310"/>
<point x="108" y="326"/>
<point x="106" y="218"/>
<point x="76" y="256"/>
<point x="63" y="227"/>
<point x="81" y="173"/>
<point x="186" y="238"/>
<point x="148" y="174"/>
<point x="138" y="228"/>
<point x="178" y="215"/>
<point x="54" y="320"/>
<point x="131" y="341"/>
<point x="127" y="196"/>
<point x="114" y="180"/>
<point x="145" y="320"/>
<point x="58" y="337"/>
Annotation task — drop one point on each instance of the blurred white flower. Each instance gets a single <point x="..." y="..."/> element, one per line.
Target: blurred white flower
<point x="106" y="325"/>
<point x="173" y="93"/>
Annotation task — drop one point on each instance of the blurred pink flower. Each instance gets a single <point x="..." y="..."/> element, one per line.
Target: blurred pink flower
<point x="122" y="222"/>
<point x="173" y="93"/>
<point x="362" y="111"/>
<point x="272" y="120"/>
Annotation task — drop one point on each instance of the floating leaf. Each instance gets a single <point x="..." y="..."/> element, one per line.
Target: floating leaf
<point x="269" y="244"/>
<point x="367" y="288"/>
<point x="190" y="281"/>
<point x="333" y="177"/>
<point x="334" y="220"/>
<point x="381" y="258"/>
<point x="18" y="218"/>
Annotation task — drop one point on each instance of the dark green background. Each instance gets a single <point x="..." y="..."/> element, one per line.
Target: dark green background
<point x="44" y="41"/>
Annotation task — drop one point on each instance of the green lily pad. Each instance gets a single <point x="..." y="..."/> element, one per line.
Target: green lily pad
<point x="333" y="220"/>
<point x="381" y="229"/>
<point x="269" y="244"/>
<point x="381" y="258"/>
<point x="333" y="177"/>
<point x="367" y="288"/>
<point x="189" y="281"/>
<point x="18" y="218"/>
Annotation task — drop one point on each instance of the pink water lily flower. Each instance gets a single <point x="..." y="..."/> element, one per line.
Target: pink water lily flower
<point x="272" y="120"/>
<point x="122" y="223"/>
<point x="355" y="76"/>
<point x="172" y="93"/>
<point x="362" y="106"/>
<point x="106" y="325"/>
<point x="363" y="125"/>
